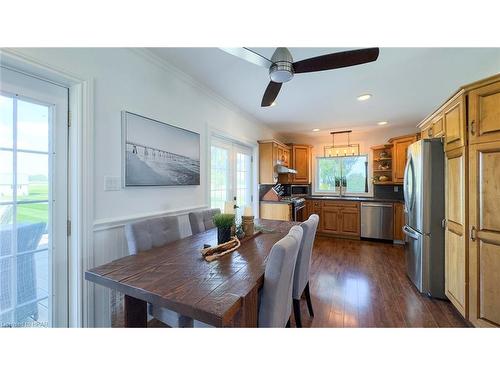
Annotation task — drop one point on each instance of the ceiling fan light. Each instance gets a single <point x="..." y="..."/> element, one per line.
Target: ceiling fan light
<point x="281" y="72"/>
<point x="382" y="123"/>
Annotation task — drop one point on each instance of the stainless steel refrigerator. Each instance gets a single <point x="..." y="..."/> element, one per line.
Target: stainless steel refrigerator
<point x="424" y="211"/>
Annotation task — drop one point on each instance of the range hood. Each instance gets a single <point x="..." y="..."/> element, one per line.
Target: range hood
<point x="281" y="169"/>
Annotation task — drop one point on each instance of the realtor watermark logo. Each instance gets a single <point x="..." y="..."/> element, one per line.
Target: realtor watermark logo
<point x="32" y="324"/>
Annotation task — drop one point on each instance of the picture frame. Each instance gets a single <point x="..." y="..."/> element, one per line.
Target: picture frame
<point x="155" y="153"/>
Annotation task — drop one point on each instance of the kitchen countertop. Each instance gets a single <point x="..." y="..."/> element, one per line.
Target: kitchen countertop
<point x="277" y="202"/>
<point x="356" y="199"/>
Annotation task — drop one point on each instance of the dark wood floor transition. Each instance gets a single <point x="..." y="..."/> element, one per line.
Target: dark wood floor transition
<point x="362" y="284"/>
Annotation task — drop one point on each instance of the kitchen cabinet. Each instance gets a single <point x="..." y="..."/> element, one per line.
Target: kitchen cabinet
<point x="330" y="217"/>
<point x="437" y="127"/>
<point x="484" y="114"/>
<point x="399" y="151"/>
<point x="399" y="221"/>
<point x="276" y="211"/>
<point x="456" y="229"/>
<point x="301" y="162"/>
<point x="337" y="217"/>
<point x="350" y="221"/>
<point x="471" y="122"/>
<point x="433" y="128"/>
<point x="484" y="233"/>
<point x="484" y="206"/>
<point x="454" y="124"/>
<point x="271" y="154"/>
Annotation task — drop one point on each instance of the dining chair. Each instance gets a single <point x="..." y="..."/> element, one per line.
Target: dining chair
<point x="303" y="267"/>
<point x="275" y="298"/>
<point x="202" y="220"/>
<point x="145" y="235"/>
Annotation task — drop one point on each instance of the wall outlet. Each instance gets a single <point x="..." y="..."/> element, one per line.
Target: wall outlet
<point x="112" y="183"/>
<point x="396" y="188"/>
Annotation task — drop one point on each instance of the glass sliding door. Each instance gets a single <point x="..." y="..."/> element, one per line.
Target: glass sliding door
<point x="33" y="199"/>
<point x="230" y="174"/>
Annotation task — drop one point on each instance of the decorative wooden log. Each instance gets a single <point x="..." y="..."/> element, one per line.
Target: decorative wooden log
<point x="218" y="255"/>
<point x="220" y="248"/>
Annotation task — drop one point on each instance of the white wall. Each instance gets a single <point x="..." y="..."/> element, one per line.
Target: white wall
<point x="132" y="80"/>
<point x="365" y="138"/>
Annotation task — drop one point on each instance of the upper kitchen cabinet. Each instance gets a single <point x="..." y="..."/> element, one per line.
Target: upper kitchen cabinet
<point x="271" y="154"/>
<point x="433" y="128"/>
<point x="301" y="162"/>
<point x="399" y="154"/>
<point x="454" y="123"/>
<point x="484" y="113"/>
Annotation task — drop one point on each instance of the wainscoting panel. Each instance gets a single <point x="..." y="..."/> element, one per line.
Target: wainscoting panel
<point x="110" y="244"/>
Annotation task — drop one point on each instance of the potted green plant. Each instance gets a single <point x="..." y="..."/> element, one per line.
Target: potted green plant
<point x="224" y="223"/>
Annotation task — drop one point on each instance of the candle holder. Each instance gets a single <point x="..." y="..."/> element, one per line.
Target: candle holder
<point x="248" y="225"/>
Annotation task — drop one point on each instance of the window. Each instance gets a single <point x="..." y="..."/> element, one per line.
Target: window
<point x="342" y="175"/>
<point x="230" y="174"/>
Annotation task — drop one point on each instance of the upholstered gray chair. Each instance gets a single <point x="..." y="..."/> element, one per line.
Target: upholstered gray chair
<point x="303" y="266"/>
<point x="145" y="235"/>
<point x="276" y="300"/>
<point x="276" y="295"/>
<point x="202" y="220"/>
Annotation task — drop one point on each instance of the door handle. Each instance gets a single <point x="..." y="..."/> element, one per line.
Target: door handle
<point x="407" y="230"/>
<point x="473" y="127"/>
<point x="443" y="223"/>
<point x="473" y="233"/>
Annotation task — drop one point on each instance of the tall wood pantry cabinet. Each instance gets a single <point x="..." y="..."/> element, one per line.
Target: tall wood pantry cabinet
<point x="471" y="137"/>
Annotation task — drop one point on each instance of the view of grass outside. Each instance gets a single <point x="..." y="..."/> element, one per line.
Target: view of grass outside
<point x="349" y="171"/>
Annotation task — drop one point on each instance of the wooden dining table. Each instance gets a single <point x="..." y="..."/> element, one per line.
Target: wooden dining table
<point x="222" y="293"/>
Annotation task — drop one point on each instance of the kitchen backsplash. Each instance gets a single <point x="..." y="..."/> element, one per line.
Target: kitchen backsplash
<point x="387" y="192"/>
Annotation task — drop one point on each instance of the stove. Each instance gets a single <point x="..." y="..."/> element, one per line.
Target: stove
<point x="298" y="207"/>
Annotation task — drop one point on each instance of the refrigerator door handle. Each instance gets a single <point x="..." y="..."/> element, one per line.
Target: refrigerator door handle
<point x="410" y="232"/>
<point x="405" y="189"/>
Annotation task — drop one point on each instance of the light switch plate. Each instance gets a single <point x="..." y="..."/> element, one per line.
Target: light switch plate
<point x="111" y="183"/>
<point x="396" y="188"/>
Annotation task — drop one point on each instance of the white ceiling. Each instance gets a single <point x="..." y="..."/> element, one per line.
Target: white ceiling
<point x="406" y="84"/>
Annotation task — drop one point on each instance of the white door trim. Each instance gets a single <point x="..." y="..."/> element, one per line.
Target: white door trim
<point x="80" y="189"/>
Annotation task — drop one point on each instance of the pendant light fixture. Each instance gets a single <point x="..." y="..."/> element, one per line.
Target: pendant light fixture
<point x="341" y="150"/>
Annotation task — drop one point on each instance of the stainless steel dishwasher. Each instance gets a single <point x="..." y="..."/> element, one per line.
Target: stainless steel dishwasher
<point x="377" y="220"/>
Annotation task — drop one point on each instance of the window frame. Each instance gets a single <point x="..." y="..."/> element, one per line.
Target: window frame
<point x="317" y="191"/>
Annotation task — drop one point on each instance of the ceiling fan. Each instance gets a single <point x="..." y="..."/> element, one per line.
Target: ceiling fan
<point x="282" y="67"/>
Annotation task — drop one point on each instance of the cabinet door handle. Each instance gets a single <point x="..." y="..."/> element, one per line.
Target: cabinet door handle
<point x="473" y="233"/>
<point x="443" y="223"/>
<point x="472" y="127"/>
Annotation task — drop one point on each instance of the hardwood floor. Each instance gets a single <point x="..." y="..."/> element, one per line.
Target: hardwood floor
<point x="360" y="284"/>
<point x="364" y="284"/>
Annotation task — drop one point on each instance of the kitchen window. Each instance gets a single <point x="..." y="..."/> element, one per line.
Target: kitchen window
<point x="342" y="175"/>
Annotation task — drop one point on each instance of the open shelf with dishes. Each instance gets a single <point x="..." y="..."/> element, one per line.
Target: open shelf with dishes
<point x="382" y="164"/>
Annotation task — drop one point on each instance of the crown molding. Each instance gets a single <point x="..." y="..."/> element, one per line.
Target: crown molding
<point x="190" y="80"/>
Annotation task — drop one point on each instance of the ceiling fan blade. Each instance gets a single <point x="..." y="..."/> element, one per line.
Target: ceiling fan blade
<point x="249" y="55"/>
<point x="336" y="60"/>
<point x="271" y="93"/>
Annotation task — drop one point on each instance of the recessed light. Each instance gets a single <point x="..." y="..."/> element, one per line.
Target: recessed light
<point x="364" y="97"/>
<point x="315" y="130"/>
<point x="382" y="123"/>
<point x="273" y="104"/>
